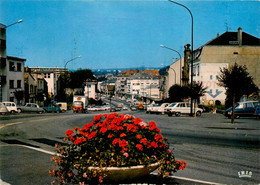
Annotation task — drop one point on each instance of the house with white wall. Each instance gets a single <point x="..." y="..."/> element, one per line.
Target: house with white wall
<point x="224" y="50"/>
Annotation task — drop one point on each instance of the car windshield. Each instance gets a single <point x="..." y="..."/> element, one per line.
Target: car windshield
<point x="77" y="103"/>
<point x="172" y="105"/>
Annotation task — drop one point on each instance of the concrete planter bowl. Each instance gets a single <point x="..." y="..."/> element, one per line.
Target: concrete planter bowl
<point x="119" y="174"/>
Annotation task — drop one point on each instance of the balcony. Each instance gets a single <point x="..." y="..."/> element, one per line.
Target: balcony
<point x="2" y="80"/>
<point x="2" y="62"/>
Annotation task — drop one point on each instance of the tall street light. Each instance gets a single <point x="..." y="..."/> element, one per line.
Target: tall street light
<point x="191" y="84"/>
<point x="14" y="23"/>
<point x="180" y="59"/>
<point x="70" y="61"/>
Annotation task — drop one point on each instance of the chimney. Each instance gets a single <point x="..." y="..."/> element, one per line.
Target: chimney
<point x="239" y="36"/>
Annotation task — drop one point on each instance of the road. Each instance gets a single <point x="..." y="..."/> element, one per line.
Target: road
<point x="215" y="150"/>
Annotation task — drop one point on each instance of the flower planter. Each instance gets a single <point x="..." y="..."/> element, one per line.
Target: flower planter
<point x="119" y="174"/>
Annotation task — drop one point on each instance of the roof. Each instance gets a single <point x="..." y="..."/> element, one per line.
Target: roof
<point x="16" y="58"/>
<point x="129" y="72"/>
<point x="230" y="38"/>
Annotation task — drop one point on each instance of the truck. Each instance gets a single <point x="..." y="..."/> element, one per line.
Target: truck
<point x="80" y="103"/>
<point x="63" y="106"/>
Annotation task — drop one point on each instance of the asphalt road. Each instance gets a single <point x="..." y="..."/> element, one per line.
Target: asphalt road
<point x="215" y="150"/>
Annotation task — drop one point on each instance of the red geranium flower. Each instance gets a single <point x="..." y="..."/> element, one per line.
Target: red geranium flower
<point x="154" y="144"/>
<point x="122" y="135"/>
<point x="69" y="132"/>
<point x="103" y="130"/>
<point x="92" y="135"/>
<point x="139" y="146"/>
<point x="158" y="137"/>
<point x="138" y="136"/>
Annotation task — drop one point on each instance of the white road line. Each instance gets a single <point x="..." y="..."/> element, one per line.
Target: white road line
<point x="192" y="180"/>
<point x="32" y="148"/>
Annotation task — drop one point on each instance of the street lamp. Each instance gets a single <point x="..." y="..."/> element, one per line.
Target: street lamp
<point x="14" y="23"/>
<point x="191" y="84"/>
<point x="180" y="60"/>
<point x="70" y="61"/>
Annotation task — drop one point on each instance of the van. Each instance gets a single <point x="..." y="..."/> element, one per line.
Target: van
<point x="63" y="106"/>
<point x="11" y="107"/>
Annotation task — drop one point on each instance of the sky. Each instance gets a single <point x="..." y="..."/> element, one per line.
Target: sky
<point x="117" y="33"/>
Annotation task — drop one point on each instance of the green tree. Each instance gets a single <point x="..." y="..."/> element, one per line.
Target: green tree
<point x="177" y="93"/>
<point x="196" y="92"/>
<point x="19" y="95"/>
<point x="237" y="82"/>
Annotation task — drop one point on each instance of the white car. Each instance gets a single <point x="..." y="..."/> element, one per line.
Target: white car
<point x="11" y="107"/>
<point x="3" y="109"/>
<point x="179" y="108"/>
<point x="158" y="108"/>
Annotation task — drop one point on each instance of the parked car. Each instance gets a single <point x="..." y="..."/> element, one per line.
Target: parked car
<point x="118" y="108"/>
<point x="158" y="109"/>
<point x="133" y="108"/>
<point x="179" y="108"/>
<point x="11" y="107"/>
<point x="243" y="109"/>
<point x="52" y="108"/>
<point x="257" y="112"/>
<point x="204" y="108"/>
<point x="30" y="107"/>
<point x="3" y="109"/>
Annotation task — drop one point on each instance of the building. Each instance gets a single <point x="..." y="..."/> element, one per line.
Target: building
<point x="11" y="73"/>
<point x="142" y="84"/>
<point x="51" y="75"/>
<point x="90" y="90"/>
<point x="225" y="49"/>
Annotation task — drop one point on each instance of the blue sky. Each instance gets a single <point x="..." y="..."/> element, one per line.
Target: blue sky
<point x="117" y="34"/>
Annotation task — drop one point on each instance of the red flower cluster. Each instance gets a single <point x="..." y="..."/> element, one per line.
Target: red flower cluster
<point x="113" y="140"/>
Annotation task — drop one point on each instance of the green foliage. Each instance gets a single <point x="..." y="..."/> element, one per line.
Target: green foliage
<point x="237" y="82"/>
<point x="178" y="93"/>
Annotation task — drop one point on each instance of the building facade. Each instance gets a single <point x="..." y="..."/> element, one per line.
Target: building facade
<point x="224" y="50"/>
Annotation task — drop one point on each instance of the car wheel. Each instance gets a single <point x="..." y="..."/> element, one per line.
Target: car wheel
<point x="237" y="117"/>
<point x="177" y="114"/>
<point x="169" y="114"/>
<point x="198" y="113"/>
<point x="12" y="112"/>
<point x="19" y="110"/>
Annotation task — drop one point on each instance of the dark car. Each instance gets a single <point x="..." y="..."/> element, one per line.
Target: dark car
<point x="243" y="109"/>
<point x="257" y="112"/>
<point x="52" y="108"/>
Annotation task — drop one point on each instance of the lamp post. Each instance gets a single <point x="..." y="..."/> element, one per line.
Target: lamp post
<point x="180" y="60"/>
<point x="70" y="61"/>
<point x="191" y="84"/>
<point x="14" y="23"/>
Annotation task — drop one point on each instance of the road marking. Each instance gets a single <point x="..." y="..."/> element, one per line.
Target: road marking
<point x="32" y="148"/>
<point x="192" y="180"/>
<point x="9" y="124"/>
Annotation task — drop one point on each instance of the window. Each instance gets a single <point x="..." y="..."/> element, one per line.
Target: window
<point x="198" y="70"/>
<point x="216" y="77"/>
<point x="211" y="77"/>
<point x="19" y="84"/>
<point x="19" y="67"/>
<point x="11" y="66"/>
<point x="11" y="84"/>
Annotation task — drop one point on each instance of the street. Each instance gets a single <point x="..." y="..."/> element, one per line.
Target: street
<point x="215" y="150"/>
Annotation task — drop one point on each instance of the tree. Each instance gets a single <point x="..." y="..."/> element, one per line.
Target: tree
<point x="19" y="95"/>
<point x="237" y="82"/>
<point x="178" y="93"/>
<point x="196" y="92"/>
